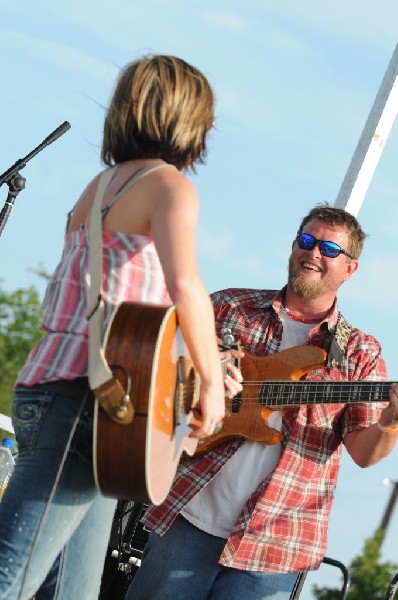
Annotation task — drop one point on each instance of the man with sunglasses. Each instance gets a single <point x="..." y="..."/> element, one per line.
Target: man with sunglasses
<point x="244" y="519"/>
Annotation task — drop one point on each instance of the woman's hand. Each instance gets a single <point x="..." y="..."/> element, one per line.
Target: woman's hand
<point x="210" y="411"/>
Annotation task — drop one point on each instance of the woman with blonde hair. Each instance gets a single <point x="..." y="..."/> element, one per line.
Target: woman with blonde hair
<point x="54" y="524"/>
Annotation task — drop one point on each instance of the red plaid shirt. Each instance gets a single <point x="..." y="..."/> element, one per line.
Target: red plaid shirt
<point x="283" y="526"/>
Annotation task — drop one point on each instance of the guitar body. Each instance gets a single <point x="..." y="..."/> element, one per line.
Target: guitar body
<point x="245" y="417"/>
<point x="139" y="460"/>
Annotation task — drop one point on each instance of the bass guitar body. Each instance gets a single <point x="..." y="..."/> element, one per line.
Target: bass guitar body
<point x="246" y="415"/>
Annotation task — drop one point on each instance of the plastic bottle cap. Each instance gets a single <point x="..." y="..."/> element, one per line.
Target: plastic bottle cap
<point x="7" y="442"/>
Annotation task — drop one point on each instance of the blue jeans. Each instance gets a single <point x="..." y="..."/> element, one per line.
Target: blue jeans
<point x="183" y="564"/>
<point x="62" y="555"/>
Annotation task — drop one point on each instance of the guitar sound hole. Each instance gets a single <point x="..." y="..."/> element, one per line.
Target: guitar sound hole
<point x="189" y="391"/>
<point x="184" y="391"/>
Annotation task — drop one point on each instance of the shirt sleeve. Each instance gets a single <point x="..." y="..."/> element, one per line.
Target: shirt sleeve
<point x="367" y="364"/>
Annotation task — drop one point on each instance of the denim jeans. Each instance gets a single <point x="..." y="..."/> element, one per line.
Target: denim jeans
<point x="62" y="555"/>
<point x="183" y="564"/>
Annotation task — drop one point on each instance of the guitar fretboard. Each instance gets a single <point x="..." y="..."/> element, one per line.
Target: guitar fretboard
<point x="285" y="393"/>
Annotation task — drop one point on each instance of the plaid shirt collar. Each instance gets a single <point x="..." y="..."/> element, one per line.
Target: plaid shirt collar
<point x="261" y="300"/>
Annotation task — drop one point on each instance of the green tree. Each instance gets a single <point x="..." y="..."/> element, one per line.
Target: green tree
<point x="369" y="577"/>
<point x="20" y="313"/>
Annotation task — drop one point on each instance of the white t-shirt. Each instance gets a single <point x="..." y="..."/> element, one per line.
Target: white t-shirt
<point x="215" y="509"/>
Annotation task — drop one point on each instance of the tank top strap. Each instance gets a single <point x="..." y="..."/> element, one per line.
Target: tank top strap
<point x="133" y="179"/>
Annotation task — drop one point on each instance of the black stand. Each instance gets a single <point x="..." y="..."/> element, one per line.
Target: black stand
<point x="298" y="586"/>
<point x="13" y="179"/>
<point x="126" y="545"/>
<point x="392" y="588"/>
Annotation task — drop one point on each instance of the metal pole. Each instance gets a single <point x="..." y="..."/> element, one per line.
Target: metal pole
<point x="371" y="142"/>
<point x="390" y="505"/>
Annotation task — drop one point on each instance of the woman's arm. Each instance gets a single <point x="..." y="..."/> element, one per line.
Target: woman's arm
<point x="173" y="218"/>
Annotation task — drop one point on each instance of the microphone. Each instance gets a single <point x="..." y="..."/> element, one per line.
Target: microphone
<point x="56" y="133"/>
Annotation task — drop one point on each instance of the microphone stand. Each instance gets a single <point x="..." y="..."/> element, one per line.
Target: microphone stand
<point x="15" y="181"/>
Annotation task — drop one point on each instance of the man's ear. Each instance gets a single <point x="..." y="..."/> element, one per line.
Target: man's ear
<point x="352" y="266"/>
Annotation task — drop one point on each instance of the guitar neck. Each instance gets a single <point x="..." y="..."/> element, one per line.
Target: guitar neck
<point x="293" y="393"/>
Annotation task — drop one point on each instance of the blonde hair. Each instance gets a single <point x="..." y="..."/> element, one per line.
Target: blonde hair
<point x="162" y="107"/>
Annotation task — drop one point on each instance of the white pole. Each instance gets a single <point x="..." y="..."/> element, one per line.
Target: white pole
<point x="371" y="143"/>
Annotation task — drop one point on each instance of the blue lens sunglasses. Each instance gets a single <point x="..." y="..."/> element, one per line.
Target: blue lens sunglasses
<point x="329" y="249"/>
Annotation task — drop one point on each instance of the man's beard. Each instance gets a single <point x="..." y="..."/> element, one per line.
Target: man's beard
<point x="306" y="290"/>
<point x="303" y="289"/>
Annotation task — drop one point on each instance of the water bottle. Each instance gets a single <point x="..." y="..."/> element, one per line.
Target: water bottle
<point x="6" y="463"/>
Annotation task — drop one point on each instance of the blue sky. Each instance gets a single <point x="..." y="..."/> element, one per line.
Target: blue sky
<point x="295" y="83"/>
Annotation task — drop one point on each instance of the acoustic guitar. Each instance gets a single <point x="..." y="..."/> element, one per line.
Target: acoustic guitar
<point x="146" y="351"/>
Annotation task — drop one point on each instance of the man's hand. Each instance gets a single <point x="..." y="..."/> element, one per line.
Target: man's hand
<point x="233" y="378"/>
<point x="389" y="416"/>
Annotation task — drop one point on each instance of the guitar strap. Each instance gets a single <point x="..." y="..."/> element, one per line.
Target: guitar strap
<point x="339" y="342"/>
<point x="106" y="387"/>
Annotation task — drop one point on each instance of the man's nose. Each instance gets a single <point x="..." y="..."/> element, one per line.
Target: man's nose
<point x="317" y="248"/>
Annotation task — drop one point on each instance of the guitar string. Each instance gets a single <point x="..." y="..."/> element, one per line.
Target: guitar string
<point x="322" y="383"/>
<point x="313" y="396"/>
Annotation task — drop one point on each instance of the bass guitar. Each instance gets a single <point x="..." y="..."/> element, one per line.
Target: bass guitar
<point x="147" y="353"/>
